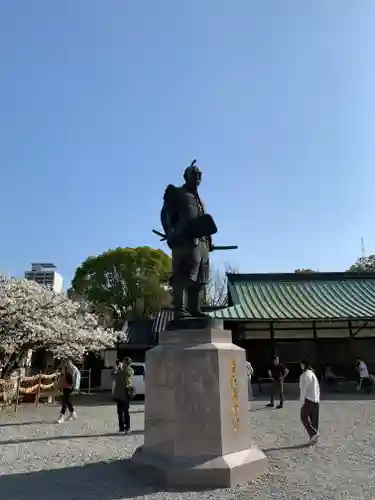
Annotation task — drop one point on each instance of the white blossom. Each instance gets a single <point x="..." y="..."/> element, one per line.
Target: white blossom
<point x="33" y="317"/>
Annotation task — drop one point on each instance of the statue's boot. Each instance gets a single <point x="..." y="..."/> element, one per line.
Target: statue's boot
<point x="193" y="306"/>
<point x="178" y="303"/>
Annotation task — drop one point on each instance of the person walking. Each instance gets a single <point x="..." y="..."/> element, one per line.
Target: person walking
<point x="310" y="400"/>
<point x="277" y="373"/>
<point x="70" y="380"/>
<point x="122" y="393"/>
<point x="249" y="373"/>
<point x="330" y="379"/>
<point x="365" y="382"/>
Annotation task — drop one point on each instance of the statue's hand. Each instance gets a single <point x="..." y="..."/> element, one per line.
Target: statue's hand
<point x="171" y="239"/>
<point x="170" y="243"/>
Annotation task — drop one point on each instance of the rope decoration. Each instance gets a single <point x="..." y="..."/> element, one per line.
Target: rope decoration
<point x="29" y="390"/>
<point x="9" y="388"/>
<point x="34" y="388"/>
<point x="35" y="378"/>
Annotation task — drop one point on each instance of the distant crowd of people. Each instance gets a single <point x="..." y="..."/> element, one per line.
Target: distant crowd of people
<point x="309" y="392"/>
<point x="309" y="388"/>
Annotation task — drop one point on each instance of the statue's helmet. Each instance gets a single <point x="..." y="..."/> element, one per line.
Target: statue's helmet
<point x="193" y="174"/>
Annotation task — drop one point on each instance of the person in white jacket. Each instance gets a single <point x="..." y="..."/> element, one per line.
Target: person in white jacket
<point x="249" y="373"/>
<point x="310" y="400"/>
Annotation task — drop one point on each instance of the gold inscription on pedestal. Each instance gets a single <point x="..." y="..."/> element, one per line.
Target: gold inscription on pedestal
<point x="234" y="388"/>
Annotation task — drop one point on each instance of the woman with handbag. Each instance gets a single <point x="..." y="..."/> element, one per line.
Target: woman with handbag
<point x="123" y="393"/>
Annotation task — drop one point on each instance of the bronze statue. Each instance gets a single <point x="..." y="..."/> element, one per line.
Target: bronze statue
<point x="188" y="231"/>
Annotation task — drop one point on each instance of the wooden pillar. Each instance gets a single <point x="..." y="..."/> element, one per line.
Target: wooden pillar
<point x="89" y="383"/>
<point x="315" y="333"/>
<point x="238" y="338"/>
<point x="17" y="400"/>
<point x="272" y="338"/>
<point x="316" y="342"/>
<point x="39" y="389"/>
<point x="351" y="340"/>
<point x="235" y="332"/>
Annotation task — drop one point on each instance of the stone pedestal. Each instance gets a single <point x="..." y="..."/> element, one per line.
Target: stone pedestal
<point x="196" y="412"/>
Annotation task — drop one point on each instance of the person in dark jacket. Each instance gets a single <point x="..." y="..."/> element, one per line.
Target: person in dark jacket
<point x="277" y="373"/>
<point x="122" y="393"/>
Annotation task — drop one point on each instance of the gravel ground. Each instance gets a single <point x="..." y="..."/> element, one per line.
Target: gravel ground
<point x="86" y="459"/>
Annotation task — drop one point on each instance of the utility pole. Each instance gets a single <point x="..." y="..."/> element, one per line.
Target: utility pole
<point x="363" y="252"/>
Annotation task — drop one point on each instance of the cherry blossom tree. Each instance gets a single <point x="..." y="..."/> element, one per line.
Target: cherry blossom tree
<point x="34" y="317"/>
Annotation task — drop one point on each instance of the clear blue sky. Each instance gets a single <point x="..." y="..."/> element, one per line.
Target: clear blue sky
<point x="104" y="103"/>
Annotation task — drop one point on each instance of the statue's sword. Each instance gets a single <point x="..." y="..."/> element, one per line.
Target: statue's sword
<point x="214" y="247"/>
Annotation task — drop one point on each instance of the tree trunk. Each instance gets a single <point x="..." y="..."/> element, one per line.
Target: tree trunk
<point x="14" y="362"/>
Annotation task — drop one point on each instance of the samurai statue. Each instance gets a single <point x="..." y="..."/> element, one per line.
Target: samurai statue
<point x="188" y="231"/>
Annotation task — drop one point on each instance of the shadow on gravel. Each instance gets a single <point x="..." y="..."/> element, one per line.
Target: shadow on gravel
<point x="101" y="399"/>
<point x="107" y="481"/>
<point x="290" y="447"/>
<point x="70" y="436"/>
<point x="261" y="408"/>
<point x="103" y="480"/>
<point x="21" y="424"/>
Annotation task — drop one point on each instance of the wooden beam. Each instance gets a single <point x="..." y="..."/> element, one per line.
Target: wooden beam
<point x="303" y="328"/>
<point x="360" y="328"/>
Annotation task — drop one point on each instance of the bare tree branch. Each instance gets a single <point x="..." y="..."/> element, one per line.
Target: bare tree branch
<point x="217" y="287"/>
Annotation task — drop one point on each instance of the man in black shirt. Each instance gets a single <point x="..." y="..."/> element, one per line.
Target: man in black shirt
<point x="277" y="373"/>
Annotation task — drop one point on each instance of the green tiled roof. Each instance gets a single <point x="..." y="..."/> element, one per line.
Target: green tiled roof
<point x="300" y="296"/>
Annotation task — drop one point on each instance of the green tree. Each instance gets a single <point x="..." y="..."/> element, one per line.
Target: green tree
<point x="304" y="270"/>
<point x="128" y="283"/>
<point x="363" y="265"/>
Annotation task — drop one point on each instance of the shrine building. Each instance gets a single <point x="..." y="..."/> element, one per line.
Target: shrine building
<point x="328" y="317"/>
